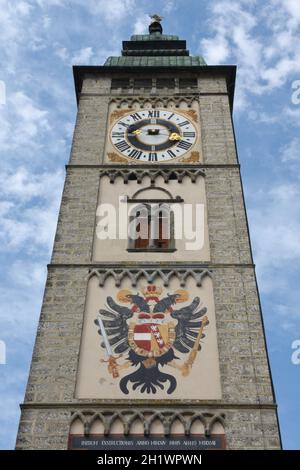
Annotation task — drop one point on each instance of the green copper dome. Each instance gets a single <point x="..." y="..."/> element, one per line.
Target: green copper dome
<point x="148" y="61"/>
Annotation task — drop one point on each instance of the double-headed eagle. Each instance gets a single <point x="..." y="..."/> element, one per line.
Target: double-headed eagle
<point x="151" y="330"/>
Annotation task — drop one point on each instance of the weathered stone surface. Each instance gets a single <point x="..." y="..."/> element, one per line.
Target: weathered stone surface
<point x="76" y="222"/>
<point x="228" y="233"/>
<point x="245" y="428"/>
<point x="217" y="135"/>
<point x="90" y="130"/>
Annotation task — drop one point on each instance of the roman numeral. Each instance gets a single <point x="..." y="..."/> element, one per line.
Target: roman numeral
<point x="184" y="145"/>
<point x="136" y="116"/>
<point x="184" y="123"/>
<point x="171" y="153"/>
<point x="135" y="154"/>
<point x="189" y="134"/>
<point x="122" y="146"/>
<point x="121" y="123"/>
<point x="170" y="117"/>
<point x="154" y="113"/>
<point x="118" y="134"/>
<point x="152" y="157"/>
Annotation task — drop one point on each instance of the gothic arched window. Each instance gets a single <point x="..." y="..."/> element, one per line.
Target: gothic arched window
<point x="151" y="228"/>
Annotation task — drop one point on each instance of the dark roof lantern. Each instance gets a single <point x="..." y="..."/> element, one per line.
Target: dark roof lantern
<point x="155" y="27"/>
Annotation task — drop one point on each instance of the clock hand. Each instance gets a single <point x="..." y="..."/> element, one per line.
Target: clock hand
<point x="173" y="135"/>
<point x="148" y="132"/>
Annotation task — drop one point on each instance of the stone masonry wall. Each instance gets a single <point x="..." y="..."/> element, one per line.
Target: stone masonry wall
<point x="76" y="223"/>
<point x="47" y="428"/>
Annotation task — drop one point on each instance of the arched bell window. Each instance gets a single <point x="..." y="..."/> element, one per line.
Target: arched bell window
<point x="151" y="220"/>
<point x="151" y="228"/>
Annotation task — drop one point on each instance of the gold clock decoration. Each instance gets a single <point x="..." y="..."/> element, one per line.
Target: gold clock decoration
<point x="118" y="113"/>
<point x="191" y="113"/>
<point x="174" y="136"/>
<point x="194" y="157"/>
<point x="115" y="158"/>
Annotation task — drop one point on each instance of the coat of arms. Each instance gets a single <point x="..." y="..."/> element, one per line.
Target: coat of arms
<point x="151" y="331"/>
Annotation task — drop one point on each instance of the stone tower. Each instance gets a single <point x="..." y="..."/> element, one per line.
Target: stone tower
<point x="157" y="336"/>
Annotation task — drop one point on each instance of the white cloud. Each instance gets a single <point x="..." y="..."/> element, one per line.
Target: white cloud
<point x="83" y="56"/>
<point x="262" y="117"/>
<point x="22" y="122"/>
<point x="290" y="153"/>
<point x="23" y="185"/>
<point x="292" y="115"/>
<point x="29" y="231"/>
<point x="5" y="207"/>
<point x="113" y="10"/>
<point x="23" y="8"/>
<point x="169" y="6"/>
<point x="292" y="7"/>
<point x="9" y="28"/>
<point x="275" y="228"/>
<point x="15" y="26"/>
<point x="62" y="53"/>
<point x="216" y="50"/>
<point x="46" y="21"/>
<point x="26" y="227"/>
<point x="48" y="3"/>
<point x="262" y="40"/>
<point x="27" y="274"/>
<point x="26" y="109"/>
<point x="141" y="24"/>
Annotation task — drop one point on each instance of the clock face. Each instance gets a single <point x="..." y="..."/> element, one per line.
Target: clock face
<point x="153" y="135"/>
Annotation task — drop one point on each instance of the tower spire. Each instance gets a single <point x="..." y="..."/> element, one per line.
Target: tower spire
<point x="155" y="50"/>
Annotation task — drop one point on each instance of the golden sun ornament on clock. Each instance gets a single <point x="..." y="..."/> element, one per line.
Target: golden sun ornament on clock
<point x="153" y="135"/>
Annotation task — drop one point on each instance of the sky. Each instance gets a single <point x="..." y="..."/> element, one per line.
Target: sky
<point x="40" y="40"/>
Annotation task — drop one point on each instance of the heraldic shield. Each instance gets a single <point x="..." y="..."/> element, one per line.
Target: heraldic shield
<point x="151" y="339"/>
<point x="150" y="332"/>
